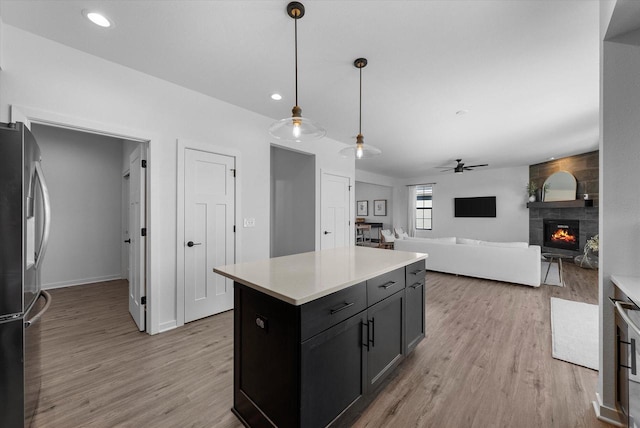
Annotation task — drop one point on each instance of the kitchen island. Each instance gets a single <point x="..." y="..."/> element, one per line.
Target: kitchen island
<point x="316" y="333"/>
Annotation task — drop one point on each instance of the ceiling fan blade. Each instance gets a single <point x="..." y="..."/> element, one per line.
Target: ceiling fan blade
<point x="447" y="169"/>
<point x="477" y="166"/>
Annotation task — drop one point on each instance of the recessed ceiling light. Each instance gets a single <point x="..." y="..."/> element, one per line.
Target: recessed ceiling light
<point x="552" y="158"/>
<point x="276" y="97"/>
<point x="97" y="18"/>
<point x="462" y="112"/>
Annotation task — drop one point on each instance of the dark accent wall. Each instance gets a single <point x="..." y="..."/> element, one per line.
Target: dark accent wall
<point x="585" y="168"/>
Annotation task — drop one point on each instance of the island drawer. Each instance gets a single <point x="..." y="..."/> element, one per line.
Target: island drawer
<point x="385" y="285"/>
<point x="320" y="314"/>
<point x="415" y="272"/>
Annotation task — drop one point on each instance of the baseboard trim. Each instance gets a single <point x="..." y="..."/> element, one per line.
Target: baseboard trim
<point x="166" y="326"/>
<point x="83" y="281"/>
<point x="607" y="414"/>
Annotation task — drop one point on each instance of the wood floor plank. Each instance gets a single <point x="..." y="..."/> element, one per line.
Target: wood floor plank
<point x="485" y="362"/>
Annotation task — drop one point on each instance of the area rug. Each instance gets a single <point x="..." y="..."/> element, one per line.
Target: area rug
<point x="574" y="332"/>
<point x="553" y="278"/>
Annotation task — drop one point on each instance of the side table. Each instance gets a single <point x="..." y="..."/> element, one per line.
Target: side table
<point x="555" y="257"/>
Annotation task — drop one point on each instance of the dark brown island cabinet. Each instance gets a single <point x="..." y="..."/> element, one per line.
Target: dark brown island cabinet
<point x="318" y="363"/>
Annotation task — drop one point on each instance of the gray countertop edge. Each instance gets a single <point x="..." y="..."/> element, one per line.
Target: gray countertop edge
<point x="629" y="285"/>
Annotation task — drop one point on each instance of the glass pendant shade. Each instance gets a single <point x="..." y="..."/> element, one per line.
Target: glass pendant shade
<point x="296" y="128"/>
<point x="359" y="150"/>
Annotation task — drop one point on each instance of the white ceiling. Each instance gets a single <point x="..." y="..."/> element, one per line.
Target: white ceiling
<point x="527" y="71"/>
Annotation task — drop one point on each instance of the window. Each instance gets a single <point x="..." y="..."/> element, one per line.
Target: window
<point x="424" y="206"/>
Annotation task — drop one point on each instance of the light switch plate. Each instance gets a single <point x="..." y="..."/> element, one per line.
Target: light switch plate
<point x="249" y="222"/>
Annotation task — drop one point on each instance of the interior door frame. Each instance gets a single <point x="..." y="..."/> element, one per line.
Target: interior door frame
<point x="125" y="223"/>
<point x="182" y="145"/>
<point x="352" y="204"/>
<point x="29" y="115"/>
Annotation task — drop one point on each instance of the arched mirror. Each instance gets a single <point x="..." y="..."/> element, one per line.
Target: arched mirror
<point x="560" y="186"/>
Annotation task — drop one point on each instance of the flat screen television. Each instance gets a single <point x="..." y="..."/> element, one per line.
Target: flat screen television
<point x="483" y="206"/>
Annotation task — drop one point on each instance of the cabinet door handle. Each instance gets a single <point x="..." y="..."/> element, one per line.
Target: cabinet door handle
<point x="415" y="272"/>
<point x="365" y="341"/>
<point x="372" y="339"/>
<point x="633" y="356"/>
<point x="387" y="285"/>
<point x="416" y="285"/>
<point x="342" y="308"/>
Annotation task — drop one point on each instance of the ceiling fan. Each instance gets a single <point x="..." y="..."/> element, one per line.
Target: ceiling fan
<point x="460" y="168"/>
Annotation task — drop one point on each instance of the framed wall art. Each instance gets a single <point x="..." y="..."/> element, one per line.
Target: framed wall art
<point x="380" y="207"/>
<point x="362" y="208"/>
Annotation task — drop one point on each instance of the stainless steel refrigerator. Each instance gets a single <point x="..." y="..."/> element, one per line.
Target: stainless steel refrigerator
<point x="24" y="232"/>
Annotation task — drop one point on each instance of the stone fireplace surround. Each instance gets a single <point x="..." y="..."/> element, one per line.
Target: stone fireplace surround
<point x="585" y="168"/>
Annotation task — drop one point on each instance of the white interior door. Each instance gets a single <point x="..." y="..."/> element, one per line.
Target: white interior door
<point x="209" y="207"/>
<point x="126" y="239"/>
<point x="335" y="205"/>
<point x="137" y="222"/>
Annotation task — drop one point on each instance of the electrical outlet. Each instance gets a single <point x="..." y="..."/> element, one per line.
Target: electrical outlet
<point x="249" y="222"/>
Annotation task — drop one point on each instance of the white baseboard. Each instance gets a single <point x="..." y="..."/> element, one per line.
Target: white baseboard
<point x="607" y="414"/>
<point x="82" y="281"/>
<point x="166" y="326"/>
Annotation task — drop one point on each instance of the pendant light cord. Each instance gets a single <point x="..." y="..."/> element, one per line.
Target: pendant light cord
<point x="360" y="118"/>
<point x="296" y="54"/>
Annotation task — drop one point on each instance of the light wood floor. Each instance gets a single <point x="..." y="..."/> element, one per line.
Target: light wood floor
<point x="486" y="362"/>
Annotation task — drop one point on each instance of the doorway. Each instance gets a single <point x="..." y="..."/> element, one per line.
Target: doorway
<point x="85" y="174"/>
<point x="293" y="202"/>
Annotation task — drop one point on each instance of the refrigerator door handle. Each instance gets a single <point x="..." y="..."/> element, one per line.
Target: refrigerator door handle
<point x="47" y="215"/>
<point x="37" y="316"/>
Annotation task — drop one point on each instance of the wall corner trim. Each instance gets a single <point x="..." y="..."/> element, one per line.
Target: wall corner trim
<point x="607" y="414"/>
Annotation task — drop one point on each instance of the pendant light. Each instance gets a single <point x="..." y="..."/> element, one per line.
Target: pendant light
<point x="296" y="128"/>
<point x="359" y="150"/>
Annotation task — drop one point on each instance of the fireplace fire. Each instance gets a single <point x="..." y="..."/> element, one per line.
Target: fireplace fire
<point x="562" y="234"/>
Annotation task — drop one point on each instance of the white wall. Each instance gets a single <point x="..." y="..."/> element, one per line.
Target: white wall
<point x="292" y="202"/>
<point x="619" y="179"/>
<point x="84" y="179"/>
<point x="370" y="192"/>
<point x="506" y="184"/>
<point x="49" y="77"/>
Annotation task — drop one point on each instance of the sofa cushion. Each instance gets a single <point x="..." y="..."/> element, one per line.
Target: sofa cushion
<point x="467" y="241"/>
<point x="505" y="244"/>
<point x="447" y="240"/>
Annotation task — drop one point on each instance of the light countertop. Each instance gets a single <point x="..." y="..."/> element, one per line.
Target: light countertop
<point x="302" y="278"/>
<point x="629" y="285"/>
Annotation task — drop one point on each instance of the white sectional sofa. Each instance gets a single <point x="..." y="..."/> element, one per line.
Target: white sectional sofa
<point x="516" y="262"/>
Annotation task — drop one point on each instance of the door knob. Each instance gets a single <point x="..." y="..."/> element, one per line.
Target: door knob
<point x="128" y="241"/>
<point x="191" y="243"/>
<point x="326" y="232"/>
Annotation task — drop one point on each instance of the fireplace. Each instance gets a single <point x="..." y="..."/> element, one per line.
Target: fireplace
<point x="562" y="234"/>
